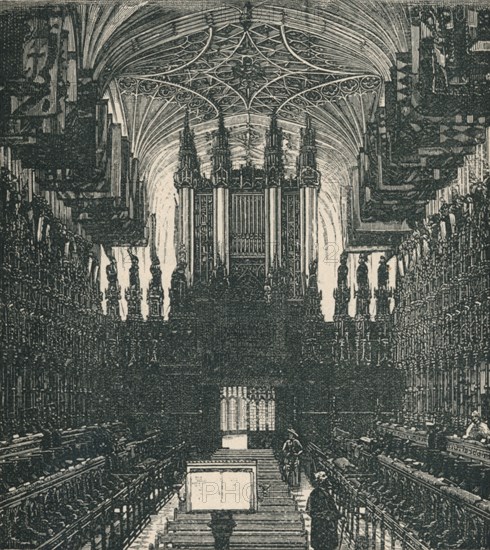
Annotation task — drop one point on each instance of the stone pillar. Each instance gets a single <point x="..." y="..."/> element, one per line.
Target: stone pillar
<point x="221" y="216"/>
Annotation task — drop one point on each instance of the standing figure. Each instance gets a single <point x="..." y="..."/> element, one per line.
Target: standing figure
<point x="292" y="450"/>
<point x="324" y="516"/>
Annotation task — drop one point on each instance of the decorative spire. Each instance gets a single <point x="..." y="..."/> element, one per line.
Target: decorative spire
<point x="155" y="287"/>
<point x="221" y="156"/>
<point x="273" y="155"/>
<point x="188" y="172"/>
<point x="313" y="297"/>
<point x="306" y="165"/>
<point x="113" y="292"/>
<point x="134" y="294"/>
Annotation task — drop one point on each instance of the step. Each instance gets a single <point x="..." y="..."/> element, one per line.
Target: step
<point x="276" y="525"/>
<point x="254" y="540"/>
<point x="288" y="515"/>
<point x="251" y="528"/>
<point x="236" y="545"/>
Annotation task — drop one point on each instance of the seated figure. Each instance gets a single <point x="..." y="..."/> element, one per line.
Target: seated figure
<point x="477" y="430"/>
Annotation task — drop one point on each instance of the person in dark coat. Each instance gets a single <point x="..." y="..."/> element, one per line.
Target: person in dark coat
<point x="324" y="516"/>
<point x="292" y="450"/>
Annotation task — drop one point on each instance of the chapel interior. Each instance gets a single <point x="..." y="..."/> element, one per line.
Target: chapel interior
<point x="227" y="222"/>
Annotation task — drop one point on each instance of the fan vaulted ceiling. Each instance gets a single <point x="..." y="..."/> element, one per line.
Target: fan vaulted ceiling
<point x="247" y="61"/>
<point x="328" y="58"/>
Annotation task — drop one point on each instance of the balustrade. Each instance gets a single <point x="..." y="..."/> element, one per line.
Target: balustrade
<point x="103" y="500"/>
<point x="367" y="523"/>
<point x="393" y="503"/>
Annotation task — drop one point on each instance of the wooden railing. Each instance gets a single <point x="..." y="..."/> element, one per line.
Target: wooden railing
<point x="113" y="523"/>
<point x="438" y="500"/>
<point x="437" y="511"/>
<point x="31" y="491"/>
<point x="366" y="523"/>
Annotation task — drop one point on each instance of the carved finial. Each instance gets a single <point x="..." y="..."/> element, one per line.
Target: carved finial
<point x="273" y="153"/>
<point x="306" y="163"/>
<point x="188" y="172"/>
<point x="186" y="119"/>
<point x="155" y="287"/>
<point x="221" y="154"/>
<point x="134" y="279"/>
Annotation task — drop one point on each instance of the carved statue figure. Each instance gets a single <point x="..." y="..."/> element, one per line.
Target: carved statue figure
<point x="268" y="289"/>
<point x="178" y="282"/>
<point x="111" y="271"/>
<point x="134" y="277"/>
<point x="313" y="275"/>
<point x="363" y="292"/>
<point x="383" y="273"/>
<point x="342" y="271"/>
<point x="156" y="273"/>
<point x="362" y="272"/>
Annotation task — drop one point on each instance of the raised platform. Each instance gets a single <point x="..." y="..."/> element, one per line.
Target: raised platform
<point x="276" y="524"/>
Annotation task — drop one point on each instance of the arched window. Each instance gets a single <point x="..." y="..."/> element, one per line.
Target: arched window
<point x="247" y="409"/>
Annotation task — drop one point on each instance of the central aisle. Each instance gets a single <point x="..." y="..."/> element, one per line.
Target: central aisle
<point x="280" y="523"/>
<point x="277" y="524"/>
